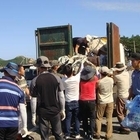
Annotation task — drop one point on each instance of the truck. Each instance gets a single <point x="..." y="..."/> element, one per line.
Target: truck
<point x="56" y="41"/>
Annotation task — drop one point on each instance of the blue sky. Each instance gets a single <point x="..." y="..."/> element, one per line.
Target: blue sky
<point x="20" y="18"/>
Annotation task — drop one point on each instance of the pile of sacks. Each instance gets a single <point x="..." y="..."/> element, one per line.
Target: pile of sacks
<point x="76" y="60"/>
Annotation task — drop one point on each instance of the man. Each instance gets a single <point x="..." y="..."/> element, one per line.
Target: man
<point x="20" y="80"/>
<point x="80" y="45"/>
<point x="121" y="79"/>
<point x="48" y="90"/>
<point x="104" y="102"/>
<point x="11" y="102"/>
<point x="54" y="67"/>
<point x="71" y="83"/>
<point x="135" y="87"/>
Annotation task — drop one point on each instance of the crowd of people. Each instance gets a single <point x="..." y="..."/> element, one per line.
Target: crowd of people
<point x="62" y="101"/>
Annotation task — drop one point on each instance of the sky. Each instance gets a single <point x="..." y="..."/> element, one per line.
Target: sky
<point x="20" y="18"/>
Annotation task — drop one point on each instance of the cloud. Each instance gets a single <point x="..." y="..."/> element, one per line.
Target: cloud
<point x="114" y="6"/>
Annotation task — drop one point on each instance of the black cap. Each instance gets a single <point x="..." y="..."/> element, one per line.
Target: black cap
<point x="135" y="56"/>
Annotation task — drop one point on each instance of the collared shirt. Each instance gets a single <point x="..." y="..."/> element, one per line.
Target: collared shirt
<point x="105" y="90"/>
<point x="21" y="82"/>
<point x="47" y="88"/>
<point x="10" y="97"/>
<point x="122" y="81"/>
<point x="136" y="82"/>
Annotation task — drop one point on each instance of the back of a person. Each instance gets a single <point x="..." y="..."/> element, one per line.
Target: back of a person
<point x="9" y="101"/>
<point x="71" y="85"/>
<point x="75" y="41"/>
<point x="47" y="87"/>
<point x="82" y="45"/>
<point x="122" y="82"/>
<point x="105" y="90"/>
<point x="88" y="89"/>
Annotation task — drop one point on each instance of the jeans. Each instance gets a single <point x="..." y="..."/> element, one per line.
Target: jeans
<point x="55" y="122"/>
<point x="72" y="110"/>
<point x="87" y="112"/>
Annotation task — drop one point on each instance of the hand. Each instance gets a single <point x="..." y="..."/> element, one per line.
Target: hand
<point x="24" y="132"/>
<point x="34" y="119"/>
<point x="63" y="115"/>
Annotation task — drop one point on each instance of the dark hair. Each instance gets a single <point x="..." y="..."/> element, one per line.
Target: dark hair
<point x="104" y="74"/>
<point x="68" y="70"/>
<point x="20" y="65"/>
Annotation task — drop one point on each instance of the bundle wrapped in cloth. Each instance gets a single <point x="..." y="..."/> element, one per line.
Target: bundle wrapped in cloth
<point x="132" y="120"/>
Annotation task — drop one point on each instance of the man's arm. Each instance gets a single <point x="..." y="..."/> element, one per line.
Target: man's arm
<point x="62" y="104"/>
<point x="87" y="50"/>
<point x="33" y="101"/>
<point x="23" y="113"/>
<point x="131" y="95"/>
<point x="76" y="48"/>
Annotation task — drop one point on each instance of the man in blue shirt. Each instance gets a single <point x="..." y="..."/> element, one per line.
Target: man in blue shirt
<point x="135" y="87"/>
<point x="11" y="103"/>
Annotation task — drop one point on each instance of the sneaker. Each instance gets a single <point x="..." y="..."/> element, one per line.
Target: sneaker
<point x="86" y="136"/>
<point x="77" y="136"/>
<point x="97" y="136"/>
<point x="123" y="131"/>
<point x="110" y="138"/>
<point x="91" y="138"/>
<point x="67" y="137"/>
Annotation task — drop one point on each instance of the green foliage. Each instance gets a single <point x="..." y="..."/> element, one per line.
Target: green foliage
<point x="19" y="60"/>
<point x="132" y="42"/>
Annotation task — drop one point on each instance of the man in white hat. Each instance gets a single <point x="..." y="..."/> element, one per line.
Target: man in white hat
<point x="121" y="79"/>
<point x="80" y="45"/>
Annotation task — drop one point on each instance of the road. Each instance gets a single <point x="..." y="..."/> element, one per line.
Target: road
<point x="33" y="131"/>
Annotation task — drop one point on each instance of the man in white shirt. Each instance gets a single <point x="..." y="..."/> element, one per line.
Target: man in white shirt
<point x="71" y="84"/>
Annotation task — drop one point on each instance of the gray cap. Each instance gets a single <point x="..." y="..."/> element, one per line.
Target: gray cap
<point x="42" y="61"/>
<point x="104" y="69"/>
<point x="54" y="63"/>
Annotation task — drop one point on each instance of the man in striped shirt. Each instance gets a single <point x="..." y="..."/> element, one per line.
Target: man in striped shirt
<point x="11" y="103"/>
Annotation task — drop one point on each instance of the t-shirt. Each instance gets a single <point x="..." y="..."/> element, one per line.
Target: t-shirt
<point x="22" y="83"/>
<point x="82" y="45"/>
<point x="122" y="84"/>
<point x="105" y="90"/>
<point x="136" y="82"/>
<point x="88" y="89"/>
<point x="10" y="97"/>
<point x="71" y="85"/>
<point x="47" y="87"/>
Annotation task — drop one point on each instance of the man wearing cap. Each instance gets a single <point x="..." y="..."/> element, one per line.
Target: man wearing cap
<point x="104" y="102"/>
<point x="11" y="103"/>
<point x="48" y="90"/>
<point x="135" y="87"/>
<point x="121" y="79"/>
<point x="22" y="83"/>
<point x="54" y="67"/>
<point x="80" y="45"/>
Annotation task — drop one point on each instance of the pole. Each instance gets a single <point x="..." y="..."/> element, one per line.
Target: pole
<point x="134" y="46"/>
